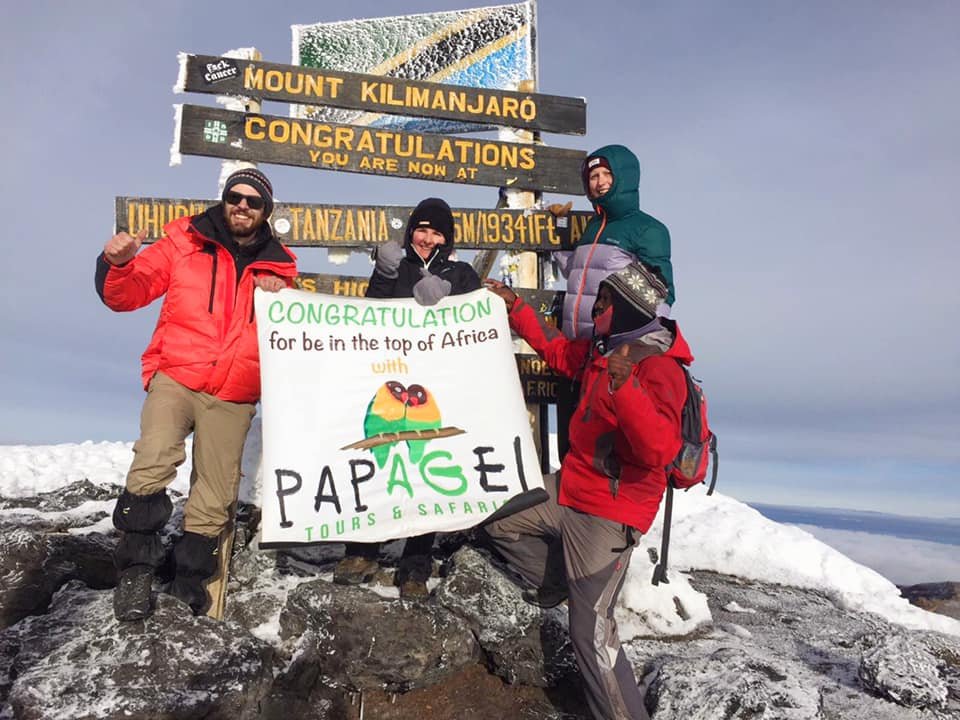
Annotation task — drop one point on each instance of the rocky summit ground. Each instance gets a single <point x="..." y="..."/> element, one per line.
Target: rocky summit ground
<point x="294" y="645"/>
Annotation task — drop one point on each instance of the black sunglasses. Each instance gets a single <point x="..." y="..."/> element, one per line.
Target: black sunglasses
<point x="254" y="202"/>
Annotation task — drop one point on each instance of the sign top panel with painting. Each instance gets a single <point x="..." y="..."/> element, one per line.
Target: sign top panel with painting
<point x="490" y="47"/>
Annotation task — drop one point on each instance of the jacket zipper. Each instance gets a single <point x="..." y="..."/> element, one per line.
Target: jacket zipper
<point x="252" y="306"/>
<point x="583" y="274"/>
<point x="213" y="279"/>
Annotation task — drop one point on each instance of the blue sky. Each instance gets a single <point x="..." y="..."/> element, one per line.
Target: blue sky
<point x="805" y="157"/>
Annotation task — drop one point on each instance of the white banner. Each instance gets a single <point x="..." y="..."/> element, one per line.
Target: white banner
<point x="384" y="419"/>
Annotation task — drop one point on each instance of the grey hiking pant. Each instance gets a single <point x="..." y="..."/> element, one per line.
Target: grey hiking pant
<point x="594" y="559"/>
<point x="170" y="413"/>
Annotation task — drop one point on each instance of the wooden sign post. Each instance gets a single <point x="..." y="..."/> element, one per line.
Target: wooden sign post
<point x="349" y="122"/>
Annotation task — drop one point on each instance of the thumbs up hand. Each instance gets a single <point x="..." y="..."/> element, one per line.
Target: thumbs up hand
<point x="123" y="247"/>
<point x="619" y="367"/>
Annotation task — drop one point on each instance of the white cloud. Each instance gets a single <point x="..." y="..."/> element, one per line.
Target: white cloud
<point x="905" y="562"/>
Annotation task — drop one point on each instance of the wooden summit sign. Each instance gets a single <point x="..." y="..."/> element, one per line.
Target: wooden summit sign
<point x="351" y="148"/>
<point x="360" y="226"/>
<point x="381" y="94"/>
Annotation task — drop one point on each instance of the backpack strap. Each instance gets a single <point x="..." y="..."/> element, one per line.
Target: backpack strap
<point x="715" y="459"/>
<point x="660" y="571"/>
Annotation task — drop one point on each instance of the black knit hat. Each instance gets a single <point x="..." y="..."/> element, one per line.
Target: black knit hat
<point x="637" y="293"/>
<point x="432" y="213"/>
<point x="591" y="162"/>
<point x="255" y="179"/>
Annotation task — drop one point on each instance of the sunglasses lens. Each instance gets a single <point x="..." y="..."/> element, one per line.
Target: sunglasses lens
<point x="254" y="202"/>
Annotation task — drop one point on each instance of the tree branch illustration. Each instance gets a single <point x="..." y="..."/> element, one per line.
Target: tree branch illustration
<point x="384" y="438"/>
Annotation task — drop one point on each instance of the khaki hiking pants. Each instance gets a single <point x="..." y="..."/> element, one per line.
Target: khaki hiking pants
<point x="170" y="413"/>
<point x="593" y="553"/>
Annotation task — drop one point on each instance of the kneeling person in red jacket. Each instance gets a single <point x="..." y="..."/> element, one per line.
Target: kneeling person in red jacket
<point x="201" y="372"/>
<point x="624" y="431"/>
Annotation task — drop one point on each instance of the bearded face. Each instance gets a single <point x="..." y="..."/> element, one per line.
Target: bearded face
<point x="242" y="219"/>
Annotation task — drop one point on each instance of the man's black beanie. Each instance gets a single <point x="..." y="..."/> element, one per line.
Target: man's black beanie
<point x="255" y="179"/>
<point x="432" y="213"/>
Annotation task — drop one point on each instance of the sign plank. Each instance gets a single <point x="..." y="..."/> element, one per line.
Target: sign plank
<point x="381" y="94"/>
<point x="351" y="148"/>
<point x="540" y="384"/>
<point x="361" y="226"/>
<point x="546" y="302"/>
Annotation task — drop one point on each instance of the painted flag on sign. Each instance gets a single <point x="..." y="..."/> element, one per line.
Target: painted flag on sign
<point x="491" y="47"/>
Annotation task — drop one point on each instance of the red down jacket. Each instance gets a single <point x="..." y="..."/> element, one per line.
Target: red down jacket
<point x="206" y="335"/>
<point x="631" y="433"/>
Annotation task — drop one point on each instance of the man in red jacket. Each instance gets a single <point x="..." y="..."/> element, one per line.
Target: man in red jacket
<point x="201" y="372"/>
<point x="624" y="431"/>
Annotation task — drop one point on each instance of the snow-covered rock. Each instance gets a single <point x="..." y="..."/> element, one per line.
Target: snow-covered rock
<point x="765" y="622"/>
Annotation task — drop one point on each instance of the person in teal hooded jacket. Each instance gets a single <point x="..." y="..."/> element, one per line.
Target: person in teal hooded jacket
<point x="618" y="234"/>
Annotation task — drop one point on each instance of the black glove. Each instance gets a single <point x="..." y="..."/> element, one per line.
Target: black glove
<point x="431" y="289"/>
<point x="388" y="259"/>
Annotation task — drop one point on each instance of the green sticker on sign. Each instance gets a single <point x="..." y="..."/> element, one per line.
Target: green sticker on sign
<point x="215" y="131"/>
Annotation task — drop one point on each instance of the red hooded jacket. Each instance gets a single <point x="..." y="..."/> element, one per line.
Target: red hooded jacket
<point x="206" y="335"/>
<point x="620" y="441"/>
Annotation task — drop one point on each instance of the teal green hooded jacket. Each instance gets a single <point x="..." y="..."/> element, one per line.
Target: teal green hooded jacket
<point x="618" y="233"/>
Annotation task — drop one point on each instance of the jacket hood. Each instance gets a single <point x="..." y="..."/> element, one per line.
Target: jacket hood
<point x="623" y="197"/>
<point x="434" y="213"/>
<point x="679" y="350"/>
<point x="209" y="226"/>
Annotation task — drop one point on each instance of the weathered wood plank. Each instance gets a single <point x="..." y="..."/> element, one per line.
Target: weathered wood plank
<point x="540" y="384"/>
<point x="359" y="226"/>
<point x="380" y="94"/>
<point x="254" y="137"/>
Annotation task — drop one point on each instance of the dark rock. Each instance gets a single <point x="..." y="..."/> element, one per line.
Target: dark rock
<point x="943" y="598"/>
<point x="523" y="644"/>
<point x="65" y="498"/>
<point x="303" y="690"/>
<point x="78" y="662"/>
<point x="731" y="683"/>
<point x="295" y="646"/>
<point x="34" y="565"/>
<point x="904" y="671"/>
<point x="352" y="638"/>
<point x="821" y="653"/>
<point x="471" y="694"/>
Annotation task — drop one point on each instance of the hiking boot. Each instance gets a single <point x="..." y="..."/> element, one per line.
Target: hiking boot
<point x="545" y="598"/>
<point x="197" y="560"/>
<point x="131" y="596"/>
<point x="411" y="589"/>
<point x="192" y="591"/>
<point x="354" y="570"/>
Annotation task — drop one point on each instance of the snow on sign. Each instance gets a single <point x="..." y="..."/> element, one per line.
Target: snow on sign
<point x="380" y="94"/>
<point x="490" y="47"/>
<point x="370" y="431"/>
<point x="379" y="151"/>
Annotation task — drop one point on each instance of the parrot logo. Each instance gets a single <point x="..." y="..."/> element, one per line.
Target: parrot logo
<point x="401" y="413"/>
